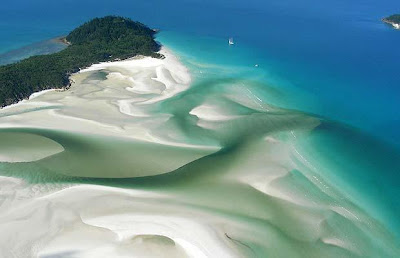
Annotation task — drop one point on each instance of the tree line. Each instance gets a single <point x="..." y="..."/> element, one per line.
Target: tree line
<point x="101" y="39"/>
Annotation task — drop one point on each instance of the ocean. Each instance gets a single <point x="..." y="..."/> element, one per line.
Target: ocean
<point x="332" y="51"/>
<point x="334" y="61"/>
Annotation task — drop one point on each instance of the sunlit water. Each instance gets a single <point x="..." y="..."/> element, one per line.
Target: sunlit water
<point x="225" y="162"/>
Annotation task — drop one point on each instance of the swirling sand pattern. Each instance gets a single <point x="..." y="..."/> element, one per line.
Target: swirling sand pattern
<point x="137" y="160"/>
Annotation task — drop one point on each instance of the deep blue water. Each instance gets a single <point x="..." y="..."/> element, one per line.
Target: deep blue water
<point x="337" y="52"/>
<point x="333" y="58"/>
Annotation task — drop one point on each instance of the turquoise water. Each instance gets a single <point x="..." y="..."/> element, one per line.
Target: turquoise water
<point x="359" y="163"/>
<point x="333" y="51"/>
<point x="332" y="59"/>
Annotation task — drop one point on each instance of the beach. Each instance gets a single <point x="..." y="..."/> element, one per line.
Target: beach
<point x="134" y="160"/>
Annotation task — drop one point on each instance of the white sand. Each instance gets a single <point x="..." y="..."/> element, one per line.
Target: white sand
<point x="132" y="89"/>
<point x="94" y="221"/>
<point x="22" y="147"/>
<point x="245" y="203"/>
<point x="212" y="113"/>
<point x="97" y="221"/>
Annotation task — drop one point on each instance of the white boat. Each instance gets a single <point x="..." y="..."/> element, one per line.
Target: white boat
<point x="231" y="41"/>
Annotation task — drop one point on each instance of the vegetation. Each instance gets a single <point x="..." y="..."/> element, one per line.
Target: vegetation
<point x="395" y="18"/>
<point x="101" y="39"/>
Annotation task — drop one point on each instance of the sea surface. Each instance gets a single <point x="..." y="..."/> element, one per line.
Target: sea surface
<point x="339" y="55"/>
<point x="330" y="60"/>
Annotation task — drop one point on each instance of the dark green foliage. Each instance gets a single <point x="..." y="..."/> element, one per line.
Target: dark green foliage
<point x="101" y="39"/>
<point x="395" y="18"/>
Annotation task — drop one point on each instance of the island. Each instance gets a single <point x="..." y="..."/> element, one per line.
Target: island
<point x="393" y="20"/>
<point x="102" y="39"/>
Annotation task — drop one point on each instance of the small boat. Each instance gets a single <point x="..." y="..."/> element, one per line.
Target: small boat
<point x="231" y="41"/>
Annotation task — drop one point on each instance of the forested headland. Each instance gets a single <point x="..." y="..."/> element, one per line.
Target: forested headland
<point x="393" y="20"/>
<point x="101" y="39"/>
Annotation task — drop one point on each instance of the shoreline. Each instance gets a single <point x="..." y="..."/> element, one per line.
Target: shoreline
<point x="393" y="24"/>
<point x="93" y="42"/>
<point x="171" y="78"/>
<point x="63" y="40"/>
<point x="96" y="66"/>
<point x="124" y="98"/>
<point x="66" y="87"/>
<point x="125" y="95"/>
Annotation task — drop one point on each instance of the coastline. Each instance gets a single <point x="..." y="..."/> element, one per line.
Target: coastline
<point x="95" y="41"/>
<point x="140" y="115"/>
<point x="151" y="78"/>
<point x="393" y="24"/>
<point x="171" y="78"/>
<point x="44" y="47"/>
<point x="63" y="40"/>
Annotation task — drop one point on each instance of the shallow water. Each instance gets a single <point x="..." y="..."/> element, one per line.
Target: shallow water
<point x="217" y="160"/>
<point x="40" y="48"/>
<point x="167" y="154"/>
